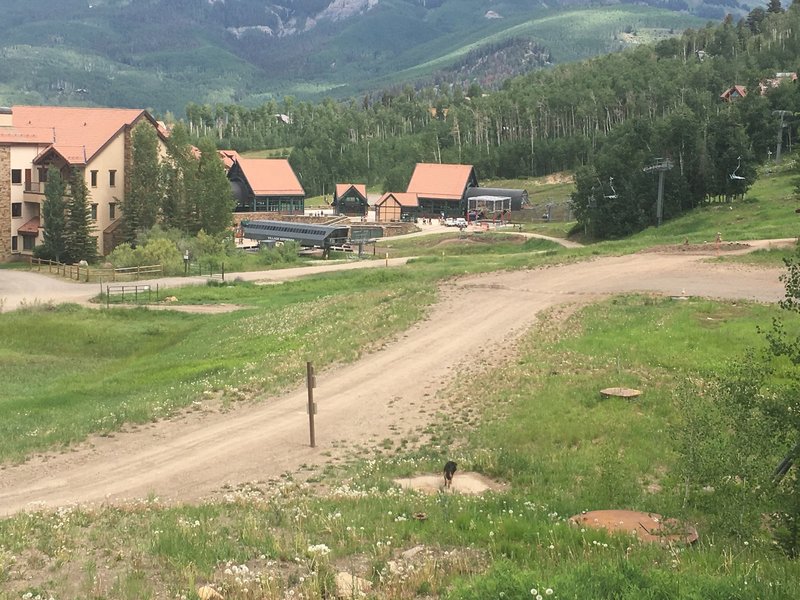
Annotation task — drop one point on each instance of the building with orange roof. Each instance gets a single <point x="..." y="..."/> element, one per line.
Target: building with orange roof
<point x="442" y="188"/>
<point x="733" y="93"/>
<point x="266" y="185"/>
<point x="96" y="141"/>
<point x="396" y="206"/>
<point x="350" y="199"/>
<point x="766" y="85"/>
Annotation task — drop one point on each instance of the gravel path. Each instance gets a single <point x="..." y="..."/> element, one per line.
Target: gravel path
<point x="196" y="455"/>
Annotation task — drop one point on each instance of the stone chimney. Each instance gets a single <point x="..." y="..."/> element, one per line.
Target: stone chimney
<point x="6" y="117"/>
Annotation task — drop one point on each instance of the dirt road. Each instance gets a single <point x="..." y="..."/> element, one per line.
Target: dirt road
<point x="386" y="394"/>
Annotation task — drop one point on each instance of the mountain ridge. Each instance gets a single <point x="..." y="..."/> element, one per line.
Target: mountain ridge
<point x="163" y="54"/>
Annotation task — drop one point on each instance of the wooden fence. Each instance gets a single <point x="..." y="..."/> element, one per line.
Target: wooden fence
<point x="88" y="273"/>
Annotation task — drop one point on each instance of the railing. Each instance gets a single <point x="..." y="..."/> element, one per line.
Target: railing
<point x="207" y="268"/>
<point x="37" y="187"/>
<point x="135" y="290"/>
<point x="87" y="273"/>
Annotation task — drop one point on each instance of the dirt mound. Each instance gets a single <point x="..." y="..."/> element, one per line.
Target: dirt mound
<point x="648" y="527"/>
<point x="468" y="483"/>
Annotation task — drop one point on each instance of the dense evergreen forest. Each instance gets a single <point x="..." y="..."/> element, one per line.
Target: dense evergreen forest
<point x="607" y="119"/>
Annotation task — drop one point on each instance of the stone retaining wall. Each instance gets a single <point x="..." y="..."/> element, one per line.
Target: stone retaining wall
<point x="5" y="203"/>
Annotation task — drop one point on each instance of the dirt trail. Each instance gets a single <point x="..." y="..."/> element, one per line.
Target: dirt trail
<point x="386" y="394"/>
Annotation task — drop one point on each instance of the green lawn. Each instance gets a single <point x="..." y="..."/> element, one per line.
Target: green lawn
<point x="540" y="427"/>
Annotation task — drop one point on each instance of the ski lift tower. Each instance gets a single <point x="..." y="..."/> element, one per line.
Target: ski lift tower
<point x="661" y="166"/>
<point x="782" y="114"/>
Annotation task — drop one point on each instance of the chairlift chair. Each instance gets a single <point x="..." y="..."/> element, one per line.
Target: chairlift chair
<point x="613" y="194"/>
<point x="734" y="176"/>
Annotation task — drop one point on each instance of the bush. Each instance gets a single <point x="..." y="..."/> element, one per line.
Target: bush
<point x="286" y="253"/>
<point x="156" y="252"/>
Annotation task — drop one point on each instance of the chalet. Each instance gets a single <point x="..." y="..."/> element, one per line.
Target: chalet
<point x="441" y="189"/>
<point x="350" y="199"/>
<point x="96" y="141"/>
<point x="773" y="82"/>
<point x="266" y="185"/>
<point x="396" y="206"/>
<point x="733" y="93"/>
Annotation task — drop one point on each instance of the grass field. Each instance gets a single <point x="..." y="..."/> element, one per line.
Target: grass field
<point x="540" y="427"/>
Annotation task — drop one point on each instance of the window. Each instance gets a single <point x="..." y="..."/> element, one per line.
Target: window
<point x="16" y="209"/>
<point x="94" y="212"/>
<point x="28" y="242"/>
<point x="112" y="178"/>
<point x="43" y="175"/>
<point x="14" y="244"/>
<point x="93" y="178"/>
<point x="16" y="176"/>
<point x="112" y="211"/>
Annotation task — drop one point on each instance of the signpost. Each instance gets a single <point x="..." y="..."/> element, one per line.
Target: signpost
<point x="311" y="383"/>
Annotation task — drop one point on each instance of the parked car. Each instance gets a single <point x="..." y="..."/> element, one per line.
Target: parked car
<point x="461" y="222"/>
<point x="450" y="222"/>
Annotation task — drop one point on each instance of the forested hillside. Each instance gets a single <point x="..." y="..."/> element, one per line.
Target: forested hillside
<point x="162" y="54"/>
<point x="608" y="118"/>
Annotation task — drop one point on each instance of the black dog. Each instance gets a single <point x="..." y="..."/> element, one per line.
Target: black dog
<point x="449" y="471"/>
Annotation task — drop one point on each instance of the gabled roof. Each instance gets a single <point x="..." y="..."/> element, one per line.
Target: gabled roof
<point x="402" y="198"/>
<point x="270" y="177"/>
<point x="441" y="182"/>
<point x="229" y="157"/>
<point x="77" y="134"/>
<point x="735" y="91"/>
<point x="343" y="188"/>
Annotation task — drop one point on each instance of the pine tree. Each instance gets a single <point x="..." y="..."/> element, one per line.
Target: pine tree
<point x="215" y="201"/>
<point x="178" y="174"/>
<point x="774" y="6"/>
<point x="80" y="243"/>
<point x="54" y="214"/>
<point x="142" y="204"/>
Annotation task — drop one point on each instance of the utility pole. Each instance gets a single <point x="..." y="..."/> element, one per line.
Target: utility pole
<point x="782" y="114"/>
<point x="661" y="166"/>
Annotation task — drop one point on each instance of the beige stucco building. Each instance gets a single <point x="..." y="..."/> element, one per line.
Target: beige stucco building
<point x="96" y="141"/>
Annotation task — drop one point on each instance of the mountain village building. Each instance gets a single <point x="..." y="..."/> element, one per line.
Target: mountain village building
<point x="396" y="206"/>
<point x="266" y="185"/>
<point x="350" y="199"/>
<point x="96" y="141"/>
<point x="441" y="189"/>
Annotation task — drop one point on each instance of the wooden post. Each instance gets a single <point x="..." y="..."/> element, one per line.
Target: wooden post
<point x="310" y="383"/>
<point x="387" y="259"/>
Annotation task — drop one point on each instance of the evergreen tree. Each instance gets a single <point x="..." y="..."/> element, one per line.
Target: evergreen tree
<point x="54" y="214"/>
<point x="142" y="204"/>
<point x="774" y="6"/>
<point x="215" y="200"/>
<point x="178" y="174"/>
<point x="80" y="243"/>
